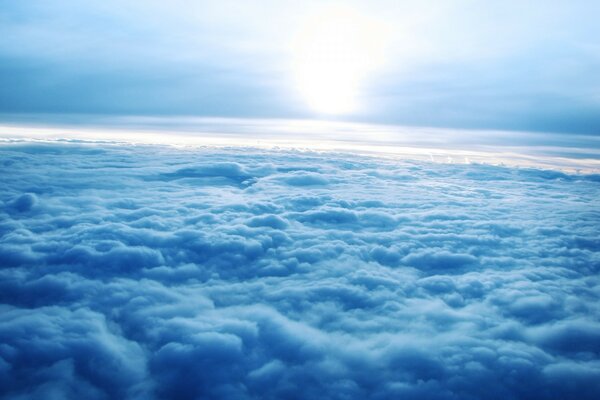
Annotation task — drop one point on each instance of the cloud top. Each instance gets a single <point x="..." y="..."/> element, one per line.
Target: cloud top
<point x="154" y="272"/>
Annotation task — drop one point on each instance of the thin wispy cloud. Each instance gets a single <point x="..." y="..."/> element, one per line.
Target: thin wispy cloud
<point x="505" y="65"/>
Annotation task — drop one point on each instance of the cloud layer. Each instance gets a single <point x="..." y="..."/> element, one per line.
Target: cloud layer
<point x="152" y="272"/>
<point x="510" y="65"/>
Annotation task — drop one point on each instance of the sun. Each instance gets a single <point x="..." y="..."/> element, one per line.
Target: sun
<point x="332" y="55"/>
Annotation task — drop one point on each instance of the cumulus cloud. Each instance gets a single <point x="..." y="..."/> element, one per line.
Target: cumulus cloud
<point x="153" y="272"/>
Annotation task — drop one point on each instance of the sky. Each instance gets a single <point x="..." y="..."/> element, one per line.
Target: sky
<point x="299" y="199"/>
<point x="455" y="64"/>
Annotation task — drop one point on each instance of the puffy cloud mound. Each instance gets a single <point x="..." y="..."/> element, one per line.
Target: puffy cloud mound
<point x="146" y="272"/>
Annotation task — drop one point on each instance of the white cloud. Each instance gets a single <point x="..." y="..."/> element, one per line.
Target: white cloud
<point x="139" y="271"/>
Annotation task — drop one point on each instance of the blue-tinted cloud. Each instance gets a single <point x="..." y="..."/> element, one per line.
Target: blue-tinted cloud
<point x="152" y="272"/>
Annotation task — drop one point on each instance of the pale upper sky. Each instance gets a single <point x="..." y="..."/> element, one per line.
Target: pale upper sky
<point x="455" y="63"/>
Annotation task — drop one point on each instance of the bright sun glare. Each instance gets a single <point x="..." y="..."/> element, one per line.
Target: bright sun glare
<point x="332" y="56"/>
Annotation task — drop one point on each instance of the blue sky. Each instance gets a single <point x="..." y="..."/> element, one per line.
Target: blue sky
<point x="298" y="200"/>
<point x="458" y="63"/>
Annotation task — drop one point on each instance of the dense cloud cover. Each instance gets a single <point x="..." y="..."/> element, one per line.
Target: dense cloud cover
<point x="151" y="272"/>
